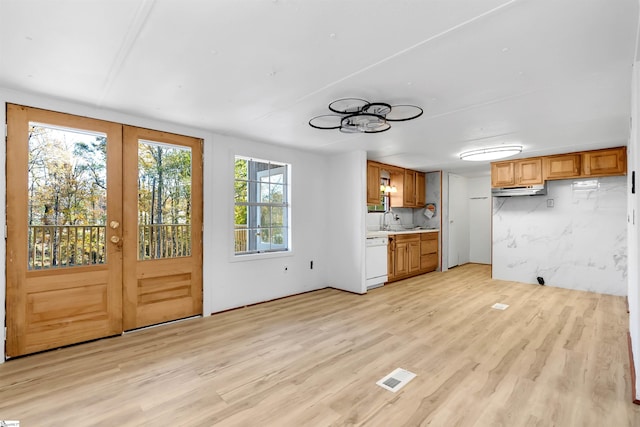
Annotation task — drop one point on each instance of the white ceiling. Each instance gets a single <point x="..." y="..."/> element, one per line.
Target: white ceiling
<point x="552" y="75"/>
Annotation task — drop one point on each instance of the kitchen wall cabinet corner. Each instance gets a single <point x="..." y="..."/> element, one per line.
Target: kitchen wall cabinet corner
<point x="373" y="183"/>
<point x="409" y="188"/>
<point x="421" y="189"/>
<point x="607" y="162"/>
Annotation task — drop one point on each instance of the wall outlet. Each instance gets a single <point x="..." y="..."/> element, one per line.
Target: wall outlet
<point x="549" y="203"/>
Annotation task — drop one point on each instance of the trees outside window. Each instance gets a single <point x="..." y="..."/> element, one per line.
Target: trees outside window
<point x="261" y="206"/>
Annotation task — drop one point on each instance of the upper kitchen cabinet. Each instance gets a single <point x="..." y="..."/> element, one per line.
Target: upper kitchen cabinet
<point x="610" y="161"/>
<point x="503" y="174"/>
<point x="410" y="187"/>
<point x="373" y="183"/>
<point x="562" y="166"/>
<point x="409" y="191"/>
<point x="536" y="170"/>
<point x="414" y="189"/>
<point x="529" y="172"/>
<point x="421" y="189"/>
<point x="516" y="173"/>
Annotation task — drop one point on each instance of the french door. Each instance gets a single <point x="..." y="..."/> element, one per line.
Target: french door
<point x="104" y="226"/>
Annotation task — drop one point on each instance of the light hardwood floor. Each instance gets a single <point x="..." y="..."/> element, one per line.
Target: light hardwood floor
<point x="554" y="358"/>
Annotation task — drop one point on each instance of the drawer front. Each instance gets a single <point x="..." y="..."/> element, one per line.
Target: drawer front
<point x="428" y="247"/>
<point x="407" y="237"/>
<point x="429" y="262"/>
<point x="428" y="236"/>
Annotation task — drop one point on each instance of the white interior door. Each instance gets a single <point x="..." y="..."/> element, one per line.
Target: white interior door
<point x="458" y="222"/>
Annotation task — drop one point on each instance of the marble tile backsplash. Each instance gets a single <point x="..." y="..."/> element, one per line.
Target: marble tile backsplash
<point x="574" y="237"/>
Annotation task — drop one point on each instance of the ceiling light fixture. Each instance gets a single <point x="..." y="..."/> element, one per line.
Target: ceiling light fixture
<point x="355" y="115"/>
<point x="491" y="153"/>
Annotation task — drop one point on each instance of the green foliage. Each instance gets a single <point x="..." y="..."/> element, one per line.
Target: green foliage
<point x="67" y="178"/>
<point x="67" y="182"/>
<point x="164" y="184"/>
<point x="241" y="188"/>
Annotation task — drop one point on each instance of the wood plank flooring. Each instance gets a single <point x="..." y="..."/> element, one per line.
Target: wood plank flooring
<point x="555" y="357"/>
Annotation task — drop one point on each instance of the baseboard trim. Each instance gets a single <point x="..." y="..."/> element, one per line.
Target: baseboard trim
<point x="269" y="300"/>
<point x="634" y="399"/>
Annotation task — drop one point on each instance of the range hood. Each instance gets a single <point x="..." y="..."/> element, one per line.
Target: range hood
<point x="530" y="190"/>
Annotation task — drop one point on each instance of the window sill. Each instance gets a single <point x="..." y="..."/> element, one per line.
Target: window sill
<point x="259" y="256"/>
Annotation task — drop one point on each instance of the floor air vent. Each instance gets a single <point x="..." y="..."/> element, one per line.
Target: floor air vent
<point x="396" y="379"/>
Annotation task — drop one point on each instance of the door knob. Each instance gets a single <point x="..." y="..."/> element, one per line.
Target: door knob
<point x="114" y="224"/>
<point x="115" y="239"/>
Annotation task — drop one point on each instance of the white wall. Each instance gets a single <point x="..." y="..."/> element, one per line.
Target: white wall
<point x="346" y="211"/>
<point x="579" y="243"/>
<point x="479" y="192"/>
<point x="238" y="281"/>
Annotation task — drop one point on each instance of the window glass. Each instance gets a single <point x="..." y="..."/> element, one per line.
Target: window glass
<point x="261" y="210"/>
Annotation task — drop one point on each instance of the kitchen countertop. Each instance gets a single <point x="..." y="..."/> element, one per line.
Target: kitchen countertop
<point x="384" y="233"/>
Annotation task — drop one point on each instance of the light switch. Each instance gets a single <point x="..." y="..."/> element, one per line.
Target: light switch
<point x="549" y="203"/>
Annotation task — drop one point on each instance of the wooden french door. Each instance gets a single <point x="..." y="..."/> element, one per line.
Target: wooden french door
<point x="88" y="254"/>
<point x="163" y="249"/>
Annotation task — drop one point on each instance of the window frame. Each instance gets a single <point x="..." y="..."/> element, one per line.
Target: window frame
<point x="254" y="186"/>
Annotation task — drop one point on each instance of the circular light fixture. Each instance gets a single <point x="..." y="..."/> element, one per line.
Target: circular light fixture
<point x="491" y="153"/>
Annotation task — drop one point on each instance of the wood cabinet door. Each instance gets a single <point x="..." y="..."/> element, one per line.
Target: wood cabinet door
<point x="409" y="193"/>
<point x="391" y="259"/>
<point x="502" y="174"/>
<point x="414" y="255"/>
<point x="421" y="189"/>
<point x="562" y="166"/>
<point x="401" y="262"/>
<point x="529" y="171"/>
<point x="611" y="161"/>
<point x="373" y="183"/>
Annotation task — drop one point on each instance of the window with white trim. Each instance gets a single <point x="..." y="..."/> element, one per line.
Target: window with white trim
<point x="261" y="206"/>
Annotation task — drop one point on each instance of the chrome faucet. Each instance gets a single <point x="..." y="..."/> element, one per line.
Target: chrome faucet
<point x="385" y="224"/>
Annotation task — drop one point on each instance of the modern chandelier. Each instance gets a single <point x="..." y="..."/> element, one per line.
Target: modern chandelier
<point x="355" y="115"/>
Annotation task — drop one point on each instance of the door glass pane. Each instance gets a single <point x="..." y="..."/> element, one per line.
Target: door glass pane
<point x="164" y="200"/>
<point x="67" y="189"/>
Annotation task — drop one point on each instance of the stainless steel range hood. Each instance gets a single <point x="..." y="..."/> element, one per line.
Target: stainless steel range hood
<point x="530" y="190"/>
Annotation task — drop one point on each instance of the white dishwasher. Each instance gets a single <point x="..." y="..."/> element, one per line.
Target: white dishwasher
<point x="376" y="261"/>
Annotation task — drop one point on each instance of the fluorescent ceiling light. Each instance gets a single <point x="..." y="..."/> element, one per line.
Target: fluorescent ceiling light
<point x="491" y="153"/>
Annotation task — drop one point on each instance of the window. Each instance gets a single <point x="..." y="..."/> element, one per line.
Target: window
<point x="261" y="206"/>
<point x="385" y="202"/>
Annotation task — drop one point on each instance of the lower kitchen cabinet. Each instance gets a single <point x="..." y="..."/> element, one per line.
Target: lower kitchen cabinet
<point x="411" y="254"/>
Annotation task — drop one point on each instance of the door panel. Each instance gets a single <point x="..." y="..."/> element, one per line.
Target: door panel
<point x="162" y="240"/>
<point x="63" y="276"/>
